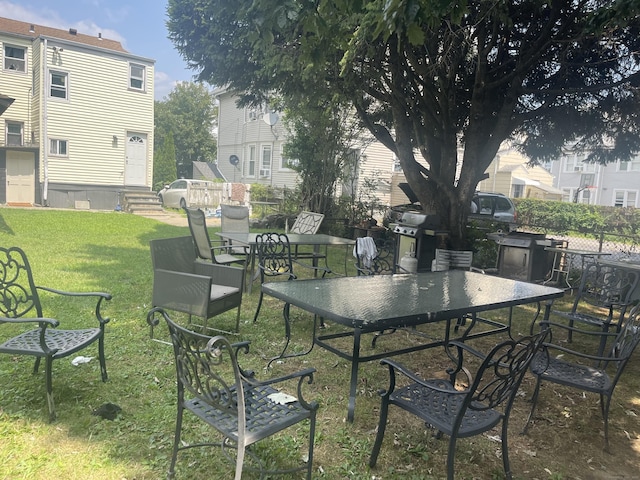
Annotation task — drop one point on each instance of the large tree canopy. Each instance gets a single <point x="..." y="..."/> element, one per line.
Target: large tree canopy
<point x="189" y="115"/>
<point x="444" y="81"/>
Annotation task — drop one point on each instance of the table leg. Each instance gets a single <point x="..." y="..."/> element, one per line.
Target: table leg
<point x="355" y="361"/>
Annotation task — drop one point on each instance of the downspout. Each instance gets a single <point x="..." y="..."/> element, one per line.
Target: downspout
<point x="45" y="150"/>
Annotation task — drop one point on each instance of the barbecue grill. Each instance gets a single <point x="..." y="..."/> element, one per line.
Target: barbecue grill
<point x="417" y="232"/>
<point x="522" y="256"/>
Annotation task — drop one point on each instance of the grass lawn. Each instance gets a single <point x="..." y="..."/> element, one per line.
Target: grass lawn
<point x="109" y="251"/>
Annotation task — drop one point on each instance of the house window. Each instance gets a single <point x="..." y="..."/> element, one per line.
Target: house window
<point x="625" y="198"/>
<point x="14" y="134"/>
<point x="632" y="165"/>
<point x="136" y="76"/>
<point x="518" y="191"/>
<point x="265" y="161"/>
<point x="250" y="166"/>
<point x="15" y="58"/>
<point x="58" y="147"/>
<point x="574" y="163"/>
<point x="59" y="84"/>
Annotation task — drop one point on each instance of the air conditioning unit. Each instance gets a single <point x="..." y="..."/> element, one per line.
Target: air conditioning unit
<point x="265" y="173"/>
<point x="253" y="115"/>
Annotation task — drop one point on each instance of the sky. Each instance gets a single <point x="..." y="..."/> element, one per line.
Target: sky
<point x="138" y="25"/>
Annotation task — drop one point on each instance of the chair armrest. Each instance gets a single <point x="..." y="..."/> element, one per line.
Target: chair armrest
<point x="306" y="265"/>
<point x="303" y="376"/>
<point x="184" y="292"/>
<point x="438" y="385"/>
<point x="43" y="324"/>
<point x="101" y="296"/>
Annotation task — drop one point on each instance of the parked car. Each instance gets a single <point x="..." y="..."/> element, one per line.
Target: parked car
<point x="176" y="194"/>
<point x="485" y="206"/>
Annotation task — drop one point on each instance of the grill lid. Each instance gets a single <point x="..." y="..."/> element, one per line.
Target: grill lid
<point x="419" y="220"/>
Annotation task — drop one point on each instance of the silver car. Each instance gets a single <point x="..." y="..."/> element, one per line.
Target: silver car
<point x="176" y="194"/>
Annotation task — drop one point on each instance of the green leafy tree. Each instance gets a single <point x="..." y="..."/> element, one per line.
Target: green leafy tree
<point x="164" y="163"/>
<point x="189" y="114"/>
<point x="442" y="84"/>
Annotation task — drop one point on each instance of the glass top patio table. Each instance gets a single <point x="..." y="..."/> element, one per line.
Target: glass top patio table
<point x="374" y="303"/>
<point x="316" y="239"/>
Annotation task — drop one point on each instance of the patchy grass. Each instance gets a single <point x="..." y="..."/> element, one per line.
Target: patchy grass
<point x="109" y="251"/>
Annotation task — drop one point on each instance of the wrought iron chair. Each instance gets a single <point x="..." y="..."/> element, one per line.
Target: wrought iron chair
<point x="602" y="299"/>
<point x="462" y="413"/>
<point x="19" y="298"/>
<point x="203" y="245"/>
<point x="373" y="258"/>
<point x="241" y="408"/>
<point x="561" y="365"/>
<point x="274" y="260"/>
<point x="235" y="219"/>
<point x="185" y="284"/>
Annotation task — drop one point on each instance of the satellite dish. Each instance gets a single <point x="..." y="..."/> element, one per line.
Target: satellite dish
<point x="270" y="119"/>
<point x="234" y="160"/>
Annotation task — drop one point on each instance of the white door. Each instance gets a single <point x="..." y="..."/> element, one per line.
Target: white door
<point x="135" y="169"/>
<point x="21" y="178"/>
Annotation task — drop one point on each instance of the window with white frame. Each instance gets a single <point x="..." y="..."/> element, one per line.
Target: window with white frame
<point x="625" y="198"/>
<point x="137" y="76"/>
<point x="57" y="147"/>
<point x="574" y="163"/>
<point x="58" y="84"/>
<point x="15" y="58"/>
<point x="250" y="164"/>
<point x="14" y="131"/>
<point x="632" y="165"/>
<point x="265" y="161"/>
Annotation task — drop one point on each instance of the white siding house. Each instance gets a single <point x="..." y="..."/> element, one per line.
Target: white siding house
<point x="80" y="130"/>
<point x="250" y="150"/>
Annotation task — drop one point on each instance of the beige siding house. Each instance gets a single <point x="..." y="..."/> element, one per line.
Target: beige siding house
<point x="80" y="129"/>
<point x="250" y="150"/>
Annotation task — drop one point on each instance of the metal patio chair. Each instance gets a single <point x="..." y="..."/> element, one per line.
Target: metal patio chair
<point x="185" y="284"/>
<point x="307" y="223"/>
<point x="602" y="299"/>
<point x="244" y="410"/>
<point x="570" y="367"/>
<point x="481" y="406"/>
<point x="373" y="258"/>
<point x="20" y="304"/>
<point x="205" y="249"/>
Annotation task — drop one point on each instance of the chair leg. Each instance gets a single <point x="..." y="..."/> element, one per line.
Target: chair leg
<point x="605" y="402"/>
<point x="176" y="441"/>
<point x="312" y="437"/>
<point x="534" y="402"/>
<point x="240" y="461"/>
<point x="238" y="320"/>
<point x="103" y="362"/>
<point x="255" y="317"/>
<point x="505" y="448"/>
<point x="49" y="385"/>
<point x="382" y="425"/>
<point x="451" y="457"/>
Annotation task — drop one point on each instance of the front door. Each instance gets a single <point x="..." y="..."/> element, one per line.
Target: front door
<point x="136" y="159"/>
<point x="21" y="178"/>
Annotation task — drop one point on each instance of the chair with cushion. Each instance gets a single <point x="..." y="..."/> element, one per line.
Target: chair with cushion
<point x="461" y="412"/>
<point x="20" y="305"/>
<point x="203" y="245"/>
<point x="183" y="283"/>
<point x="235" y="219"/>
<point x="244" y="410"/>
<point x="585" y="369"/>
<point x="602" y="299"/>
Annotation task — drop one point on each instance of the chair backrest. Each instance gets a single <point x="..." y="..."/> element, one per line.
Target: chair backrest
<point x="626" y="341"/>
<point x="176" y="254"/>
<point x="373" y="258"/>
<point x="456" y="259"/>
<point x="234" y="219"/>
<point x="207" y="369"/>
<point x="199" y="233"/>
<point x="307" y="223"/>
<point x="499" y="376"/>
<point x="274" y="255"/>
<point x="18" y="292"/>
<point x="603" y="286"/>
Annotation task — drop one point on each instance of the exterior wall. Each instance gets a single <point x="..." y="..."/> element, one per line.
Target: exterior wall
<point x="571" y="174"/>
<point x="240" y="130"/>
<point x="94" y="120"/>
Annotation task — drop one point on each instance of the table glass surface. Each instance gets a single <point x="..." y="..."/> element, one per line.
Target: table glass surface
<point x="620" y="264"/>
<point x="294" y="238"/>
<point x="392" y="300"/>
